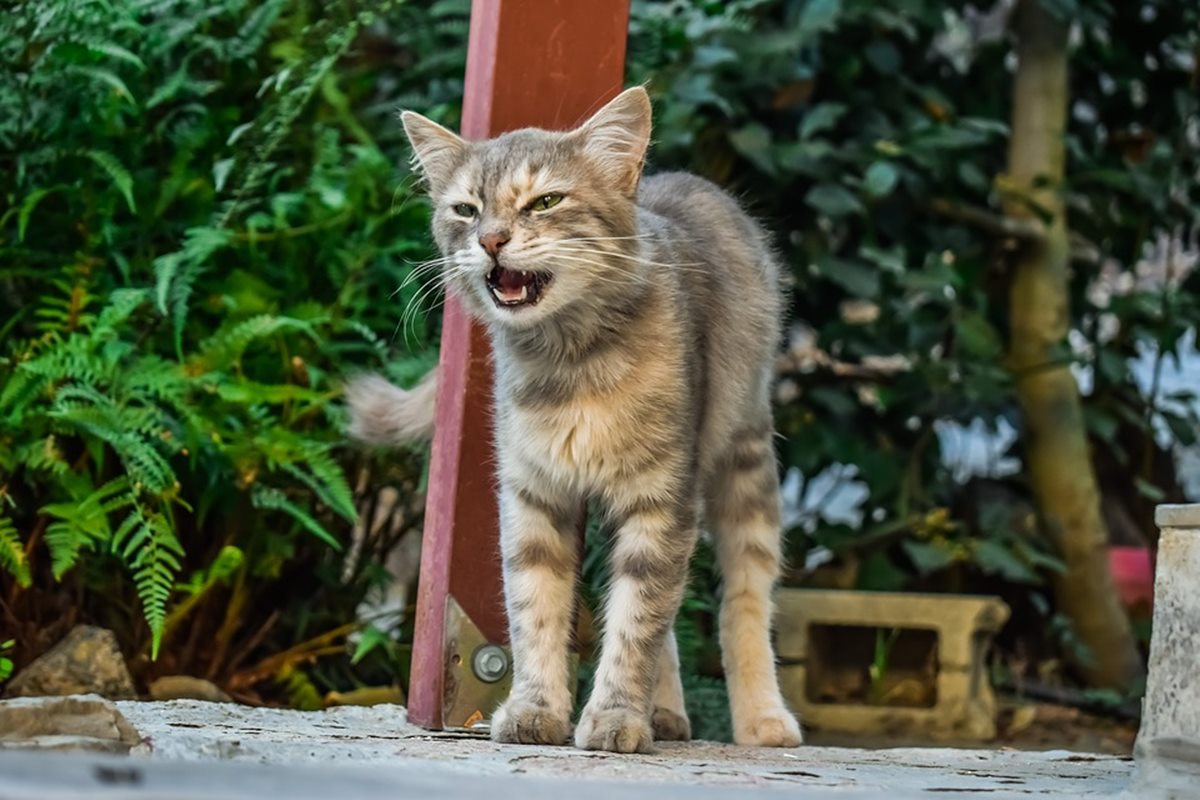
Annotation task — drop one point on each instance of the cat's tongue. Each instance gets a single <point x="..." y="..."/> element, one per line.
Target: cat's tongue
<point x="512" y="285"/>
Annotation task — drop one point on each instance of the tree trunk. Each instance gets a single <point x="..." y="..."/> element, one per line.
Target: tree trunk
<point x="1059" y="464"/>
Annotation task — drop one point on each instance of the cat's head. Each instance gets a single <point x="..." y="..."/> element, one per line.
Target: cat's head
<point x="532" y="221"/>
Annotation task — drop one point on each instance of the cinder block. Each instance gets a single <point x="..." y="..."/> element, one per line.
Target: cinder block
<point x="889" y="662"/>
<point x="1168" y="743"/>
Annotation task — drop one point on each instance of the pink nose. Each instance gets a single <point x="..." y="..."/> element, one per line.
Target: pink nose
<point x="492" y="242"/>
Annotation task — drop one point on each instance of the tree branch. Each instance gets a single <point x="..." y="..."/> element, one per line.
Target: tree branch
<point x="1026" y="230"/>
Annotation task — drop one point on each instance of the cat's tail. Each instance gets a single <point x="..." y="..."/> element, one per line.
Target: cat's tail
<point x="385" y="415"/>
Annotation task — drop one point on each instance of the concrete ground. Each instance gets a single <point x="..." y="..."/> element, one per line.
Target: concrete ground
<point x="224" y="751"/>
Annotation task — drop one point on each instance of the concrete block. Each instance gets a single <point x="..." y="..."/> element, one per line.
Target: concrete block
<point x="883" y="662"/>
<point x="1168" y="743"/>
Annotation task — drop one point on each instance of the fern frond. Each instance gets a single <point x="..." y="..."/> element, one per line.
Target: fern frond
<point x="147" y="544"/>
<point x="84" y="524"/>
<point x="272" y="499"/>
<point x="175" y="275"/>
<point x="121" y="305"/>
<point x="107" y="161"/>
<point x="311" y="463"/>
<point x="224" y="348"/>
<point x="12" y="554"/>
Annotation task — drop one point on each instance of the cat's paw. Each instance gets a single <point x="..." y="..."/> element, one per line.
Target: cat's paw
<point x="670" y="726"/>
<point x="773" y="727"/>
<point x="618" y="730"/>
<point x="521" y="722"/>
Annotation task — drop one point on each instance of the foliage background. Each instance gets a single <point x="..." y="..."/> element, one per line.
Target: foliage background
<point x="206" y="216"/>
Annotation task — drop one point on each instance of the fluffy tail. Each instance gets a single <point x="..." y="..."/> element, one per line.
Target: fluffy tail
<point x="385" y="415"/>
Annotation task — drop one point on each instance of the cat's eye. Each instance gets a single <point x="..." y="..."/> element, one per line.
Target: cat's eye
<point x="465" y="210"/>
<point x="545" y="202"/>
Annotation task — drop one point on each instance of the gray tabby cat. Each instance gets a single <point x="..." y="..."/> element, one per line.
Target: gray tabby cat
<point x="634" y="325"/>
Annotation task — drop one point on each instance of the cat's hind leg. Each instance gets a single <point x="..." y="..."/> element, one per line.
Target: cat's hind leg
<point x="669" y="720"/>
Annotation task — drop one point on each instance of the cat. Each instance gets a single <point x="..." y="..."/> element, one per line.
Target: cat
<point x="634" y="323"/>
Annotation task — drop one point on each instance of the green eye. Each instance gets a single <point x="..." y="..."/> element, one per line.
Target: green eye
<point x="465" y="210"/>
<point x="545" y="201"/>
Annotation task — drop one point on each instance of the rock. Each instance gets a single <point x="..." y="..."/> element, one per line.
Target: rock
<point x="184" y="687"/>
<point x="81" y="722"/>
<point x="86" y="661"/>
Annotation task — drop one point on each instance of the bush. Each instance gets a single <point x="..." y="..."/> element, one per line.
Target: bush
<point x="205" y="227"/>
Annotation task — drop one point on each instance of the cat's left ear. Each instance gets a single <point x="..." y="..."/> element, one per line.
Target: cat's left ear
<point x="617" y="135"/>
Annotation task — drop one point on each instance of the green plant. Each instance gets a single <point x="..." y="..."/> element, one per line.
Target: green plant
<point x="6" y="664"/>
<point x="872" y="139"/>
<point x="202" y="228"/>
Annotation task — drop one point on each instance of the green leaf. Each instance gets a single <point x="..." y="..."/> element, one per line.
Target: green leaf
<point x="977" y="337"/>
<point x="972" y="176"/>
<point x="1149" y="490"/>
<point x="928" y="557"/>
<point x="28" y="206"/>
<point x="270" y="498"/>
<point x="117" y="52"/>
<point x="818" y="16"/>
<point x="106" y="77"/>
<point x="857" y="278"/>
<point x="994" y="558"/>
<point x="878" y="573"/>
<point x="116" y="171"/>
<point x="370" y="639"/>
<point x="881" y="178"/>
<point x="12" y="554"/>
<point x="833" y="200"/>
<point x="821" y="117"/>
<point x="754" y="143"/>
<point x="883" y="56"/>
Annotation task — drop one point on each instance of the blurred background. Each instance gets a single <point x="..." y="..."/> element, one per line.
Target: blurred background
<point x="207" y="220"/>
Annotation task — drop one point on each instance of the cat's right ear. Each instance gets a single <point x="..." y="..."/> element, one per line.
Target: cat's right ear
<point x="436" y="150"/>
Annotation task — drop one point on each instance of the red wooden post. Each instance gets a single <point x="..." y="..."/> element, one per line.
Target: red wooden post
<point x="530" y="63"/>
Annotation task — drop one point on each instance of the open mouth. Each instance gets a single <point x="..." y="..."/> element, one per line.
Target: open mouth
<point x="512" y="288"/>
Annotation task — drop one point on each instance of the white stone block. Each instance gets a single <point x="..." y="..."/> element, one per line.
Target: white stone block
<point x="1168" y="744"/>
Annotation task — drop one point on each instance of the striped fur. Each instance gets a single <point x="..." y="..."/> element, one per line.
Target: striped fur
<point x="642" y="380"/>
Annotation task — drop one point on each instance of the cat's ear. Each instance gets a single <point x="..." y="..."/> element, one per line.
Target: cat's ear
<point x="617" y="135"/>
<point x="437" y="150"/>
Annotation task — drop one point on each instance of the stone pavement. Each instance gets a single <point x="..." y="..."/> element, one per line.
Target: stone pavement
<point x="223" y="751"/>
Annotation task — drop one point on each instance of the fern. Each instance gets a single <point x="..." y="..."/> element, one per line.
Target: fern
<point x="265" y="497"/>
<point x="148" y="546"/>
<point x="108" y="162"/>
<point x="224" y="348"/>
<point x="83" y="524"/>
<point x="12" y="553"/>
<point x="161" y="372"/>
<point x="176" y="274"/>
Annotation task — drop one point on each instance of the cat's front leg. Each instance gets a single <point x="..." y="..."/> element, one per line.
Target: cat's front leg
<point x="539" y="547"/>
<point x="649" y="571"/>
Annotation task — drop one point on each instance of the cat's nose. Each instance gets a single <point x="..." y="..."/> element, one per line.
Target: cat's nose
<point x="492" y="242"/>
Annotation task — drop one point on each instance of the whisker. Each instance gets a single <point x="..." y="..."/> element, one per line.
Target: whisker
<point x="681" y="265"/>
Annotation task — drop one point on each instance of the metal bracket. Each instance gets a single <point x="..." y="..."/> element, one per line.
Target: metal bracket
<point x="468" y="699"/>
<point x="478" y="673"/>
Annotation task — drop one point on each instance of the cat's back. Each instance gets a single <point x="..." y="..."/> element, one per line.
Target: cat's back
<point x="701" y="211"/>
<point x="722" y="257"/>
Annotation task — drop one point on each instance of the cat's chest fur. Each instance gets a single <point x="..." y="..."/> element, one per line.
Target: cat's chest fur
<point x="590" y="435"/>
